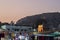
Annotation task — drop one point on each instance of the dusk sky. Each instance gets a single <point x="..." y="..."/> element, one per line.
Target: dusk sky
<point x="17" y="9"/>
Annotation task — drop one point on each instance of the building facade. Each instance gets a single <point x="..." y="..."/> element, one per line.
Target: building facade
<point x="16" y="28"/>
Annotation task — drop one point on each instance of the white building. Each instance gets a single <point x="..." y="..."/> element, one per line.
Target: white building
<point x="17" y="28"/>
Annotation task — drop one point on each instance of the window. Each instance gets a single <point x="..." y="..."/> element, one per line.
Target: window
<point x="25" y="30"/>
<point x="8" y="29"/>
<point x="29" y="28"/>
<point x="21" y="29"/>
<point x="16" y="29"/>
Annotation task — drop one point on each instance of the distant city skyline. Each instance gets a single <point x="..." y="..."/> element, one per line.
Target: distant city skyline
<point x="13" y="10"/>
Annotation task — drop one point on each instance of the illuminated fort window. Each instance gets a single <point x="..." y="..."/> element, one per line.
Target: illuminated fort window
<point x="40" y="28"/>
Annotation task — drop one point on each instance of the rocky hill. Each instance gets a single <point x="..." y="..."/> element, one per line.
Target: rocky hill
<point x="49" y="20"/>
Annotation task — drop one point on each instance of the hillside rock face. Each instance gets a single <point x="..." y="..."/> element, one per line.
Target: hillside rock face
<point x="49" y="20"/>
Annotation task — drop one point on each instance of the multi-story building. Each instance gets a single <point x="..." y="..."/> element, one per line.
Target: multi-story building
<point x="16" y="28"/>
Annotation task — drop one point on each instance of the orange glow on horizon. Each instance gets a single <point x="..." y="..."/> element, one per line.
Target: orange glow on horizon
<point x="13" y="10"/>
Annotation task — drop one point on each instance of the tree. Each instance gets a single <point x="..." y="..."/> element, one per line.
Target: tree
<point x="0" y="24"/>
